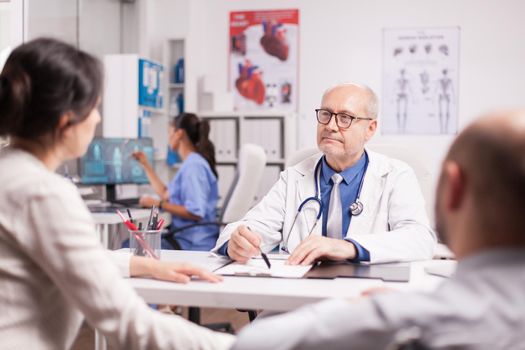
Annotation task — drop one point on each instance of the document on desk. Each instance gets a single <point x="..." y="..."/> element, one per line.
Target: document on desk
<point x="258" y="268"/>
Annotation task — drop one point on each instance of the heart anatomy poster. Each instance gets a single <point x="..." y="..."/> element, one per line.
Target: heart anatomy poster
<point x="420" y="81"/>
<point x="263" y="62"/>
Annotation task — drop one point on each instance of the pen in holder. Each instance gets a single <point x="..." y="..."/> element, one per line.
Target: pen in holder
<point x="145" y="243"/>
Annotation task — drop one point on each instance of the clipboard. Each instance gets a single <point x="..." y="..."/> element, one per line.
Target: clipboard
<point x="385" y="272"/>
<point x="257" y="268"/>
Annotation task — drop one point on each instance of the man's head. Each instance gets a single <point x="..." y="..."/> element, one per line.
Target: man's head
<point x="481" y="192"/>
<point x="346" y="145"/>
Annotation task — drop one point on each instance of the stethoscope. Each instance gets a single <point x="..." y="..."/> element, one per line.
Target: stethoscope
<point x="355" y="209"/>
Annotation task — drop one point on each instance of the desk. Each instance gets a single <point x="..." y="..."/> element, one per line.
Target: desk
<point x="103" y="221"/>
<point x="267" y="293"/>
<point x="274" y="294"/>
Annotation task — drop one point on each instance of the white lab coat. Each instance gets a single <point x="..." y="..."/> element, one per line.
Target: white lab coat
<point x="393" y="225"/>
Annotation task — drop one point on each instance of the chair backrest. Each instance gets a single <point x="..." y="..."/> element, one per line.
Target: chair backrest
<point x="301" y="155"/>
<point x="415" y="160"/>
<point x="248" y="175"/>
<point x="405" y="154"/>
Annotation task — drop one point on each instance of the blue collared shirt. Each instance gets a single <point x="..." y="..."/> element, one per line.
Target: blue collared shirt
<point x="348" y="189"/>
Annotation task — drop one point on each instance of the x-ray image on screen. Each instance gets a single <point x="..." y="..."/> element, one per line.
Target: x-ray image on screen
<point x="110" y="161"/>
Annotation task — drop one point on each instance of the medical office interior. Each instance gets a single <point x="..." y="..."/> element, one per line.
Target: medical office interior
<point x="436" y="66"/>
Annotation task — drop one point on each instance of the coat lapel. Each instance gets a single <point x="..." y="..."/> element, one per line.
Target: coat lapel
<point x="306" y="189"/>
<point x="373" y="186"/>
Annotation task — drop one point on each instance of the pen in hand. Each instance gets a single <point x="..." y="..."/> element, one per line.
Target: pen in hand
<point x="264" y="256"/>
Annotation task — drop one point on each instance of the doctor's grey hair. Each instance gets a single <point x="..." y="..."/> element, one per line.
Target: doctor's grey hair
<point x="373" y="101"/>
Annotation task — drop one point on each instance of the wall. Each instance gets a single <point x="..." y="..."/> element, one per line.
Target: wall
<point x="100" y="19"/>
<point x="92" y="25"/>
<point x="173" y="19"/>
<point x="341" y="40"/>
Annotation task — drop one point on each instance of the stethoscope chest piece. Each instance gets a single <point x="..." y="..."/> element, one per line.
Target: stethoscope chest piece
<point x="356" y="208"/>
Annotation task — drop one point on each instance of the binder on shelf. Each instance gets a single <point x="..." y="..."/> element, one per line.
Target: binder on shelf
<point x="223" y="134"/>
<point x="178" y="72"/>
<point x="266" y="132"/>
<point x="144" y="123"/>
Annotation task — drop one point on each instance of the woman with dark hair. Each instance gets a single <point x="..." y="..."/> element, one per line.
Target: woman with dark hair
<point x="191" y="196"/>
<point x="54" y="270"/>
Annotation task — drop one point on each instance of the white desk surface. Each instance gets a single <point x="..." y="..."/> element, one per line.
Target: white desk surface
<point x="267" y="293"/>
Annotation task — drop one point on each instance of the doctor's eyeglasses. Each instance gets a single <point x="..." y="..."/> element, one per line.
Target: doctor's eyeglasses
<point x="342" y="120"/>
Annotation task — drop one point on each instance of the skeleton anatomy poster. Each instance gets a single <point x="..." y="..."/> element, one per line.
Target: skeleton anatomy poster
<point x="420" y="81"/>
<point x="263" y="59"/>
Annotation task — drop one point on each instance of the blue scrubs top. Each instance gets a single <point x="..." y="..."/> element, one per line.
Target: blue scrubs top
<point x="195" y="187"/>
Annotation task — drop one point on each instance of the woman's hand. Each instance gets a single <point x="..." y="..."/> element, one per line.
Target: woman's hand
<point x="181" y="272"/>
<point x="141" y="158"/>
<point x="169" y="271"/>
<point x="148" y="201"/>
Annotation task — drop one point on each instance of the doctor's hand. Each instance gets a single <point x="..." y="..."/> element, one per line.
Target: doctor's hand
<point x="318" y="247"/>
<point x="243" y="244"/>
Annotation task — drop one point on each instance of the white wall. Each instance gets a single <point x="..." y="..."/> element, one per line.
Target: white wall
<point x="173" y="19"/>
<point x="341" y="40"/>
<point x="99" y="27"/>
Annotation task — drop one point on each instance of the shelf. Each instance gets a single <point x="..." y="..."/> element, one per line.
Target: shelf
<point x="227" y="161"/>
<point x="272" y="130"/>
<point x="153" y="110"/>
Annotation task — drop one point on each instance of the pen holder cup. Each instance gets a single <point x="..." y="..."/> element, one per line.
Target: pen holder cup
<point x="145" y="243"/>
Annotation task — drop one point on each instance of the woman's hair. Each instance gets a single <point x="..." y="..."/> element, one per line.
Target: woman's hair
<point x="198" y="132"/>
<point x="41" y="81"/>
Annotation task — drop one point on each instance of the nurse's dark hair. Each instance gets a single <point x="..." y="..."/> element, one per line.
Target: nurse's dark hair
<point x="41" y="81"/>
<point x="198" y="132"/>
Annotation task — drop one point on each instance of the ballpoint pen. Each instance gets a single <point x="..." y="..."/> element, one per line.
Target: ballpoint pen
<point x="155" y="219"/>
<point x="159" y="225"/>
<point x="264" y="256"/>
<point x="148" y="226"/>
<point x="129" y="215"/>
<point x="141" y="241"/>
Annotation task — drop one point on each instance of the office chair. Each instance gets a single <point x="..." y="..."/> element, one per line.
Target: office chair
<point x="415" y="159"/>
<point x="244" y="187"/>
<point x="301" y="155"/>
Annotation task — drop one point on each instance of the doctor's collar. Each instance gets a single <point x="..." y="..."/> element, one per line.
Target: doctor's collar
<point x="348" y="174"/>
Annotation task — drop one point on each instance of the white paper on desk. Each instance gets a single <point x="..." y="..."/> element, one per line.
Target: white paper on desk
<point x="258" y="268"/>
<point x="274" y="256"/>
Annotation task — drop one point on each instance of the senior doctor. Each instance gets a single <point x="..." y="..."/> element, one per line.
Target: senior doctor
<point x="347" y="203"/>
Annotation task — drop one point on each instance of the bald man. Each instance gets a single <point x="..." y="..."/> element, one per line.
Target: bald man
<point x="346" y="203"/>
<point x="480" y="213"/>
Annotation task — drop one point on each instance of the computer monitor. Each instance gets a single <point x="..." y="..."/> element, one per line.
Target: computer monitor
<point x="109" y="162"/>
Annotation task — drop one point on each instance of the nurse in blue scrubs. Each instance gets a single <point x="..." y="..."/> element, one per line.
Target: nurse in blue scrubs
<point x="191" y="196"/>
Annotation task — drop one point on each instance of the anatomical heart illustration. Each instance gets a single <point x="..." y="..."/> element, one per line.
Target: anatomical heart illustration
<point x="249" y="83"/>
<point x="264" y="59"/>
<point x="274" y="40"/>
